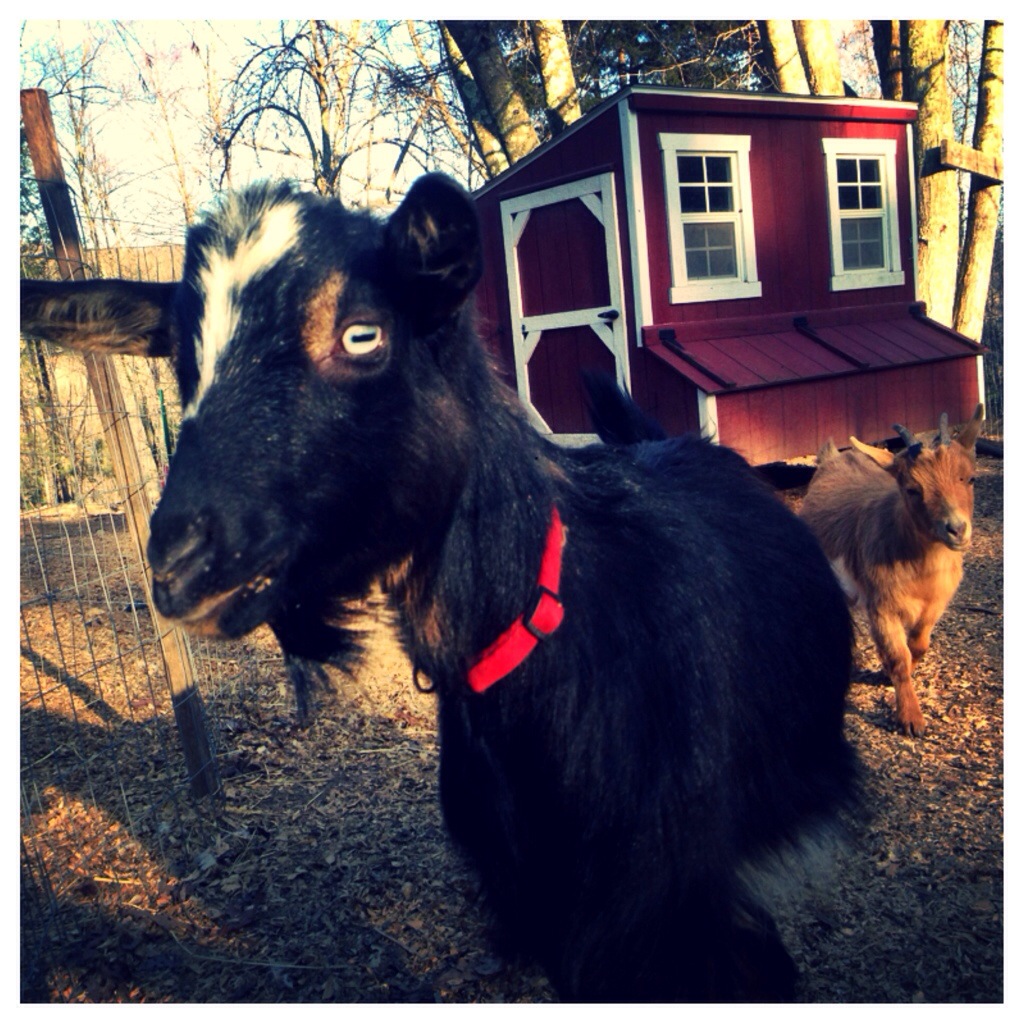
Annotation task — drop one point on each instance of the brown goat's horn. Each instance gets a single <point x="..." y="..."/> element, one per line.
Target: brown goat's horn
<point x="943" y="437"/>
<point x="913" y="445"/>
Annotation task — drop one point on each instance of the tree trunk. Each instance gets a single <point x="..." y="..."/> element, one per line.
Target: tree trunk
<point x="479" y="46"/>
<point x="983" y="202"/>
<point x="923" y="46"/>
<point x="820" y="56"/>
<point x="780" y="44"/>
<point x="478" y="115"/>
<point x="443" y="108"/>
<point x="561" y="95"/>
<point x="886" y="42"/>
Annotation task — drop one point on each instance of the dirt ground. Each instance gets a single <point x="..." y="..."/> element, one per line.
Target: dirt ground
<point x="324" y="873"/>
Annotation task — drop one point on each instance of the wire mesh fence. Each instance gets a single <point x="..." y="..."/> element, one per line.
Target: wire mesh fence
<point x="105" y="791"/>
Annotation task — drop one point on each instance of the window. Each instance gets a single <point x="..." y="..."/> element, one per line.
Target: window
<point x="863" y="223"/>
<point x="710" y="218"/>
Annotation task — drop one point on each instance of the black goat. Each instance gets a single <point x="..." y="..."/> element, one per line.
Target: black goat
<point x="640" y="655"/>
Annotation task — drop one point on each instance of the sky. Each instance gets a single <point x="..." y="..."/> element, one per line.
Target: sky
<point x="133" y="135"/>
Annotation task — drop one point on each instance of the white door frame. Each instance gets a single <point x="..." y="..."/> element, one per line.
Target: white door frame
<point x="597" y="193"/>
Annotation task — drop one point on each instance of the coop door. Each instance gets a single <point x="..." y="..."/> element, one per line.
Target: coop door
<point x="565" y="294"/>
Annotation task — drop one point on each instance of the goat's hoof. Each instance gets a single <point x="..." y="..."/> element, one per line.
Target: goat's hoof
<point x="912" y="726"/>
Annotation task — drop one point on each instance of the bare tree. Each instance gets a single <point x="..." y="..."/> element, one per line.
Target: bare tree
<point x="779" y="40"/>
<point x="479" y="46"/>
<point x="983" y="201"/>
<point x="303" y="87"/>
<point x="924" y="63"/>
<point x="150" y="64"/>
<point x="886" y="40"/>
<point x="78" y="97"/>
<point x="561" y="95"/>
<point x="480" y="118"/>
<point x="820" y="57"/>
<point x="444" y="110"/>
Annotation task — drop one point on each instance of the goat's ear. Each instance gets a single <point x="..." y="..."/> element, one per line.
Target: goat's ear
<point x="112" y="317"/>
<point x="882" y="456"/>
<point x="972" y="428"/>
<point x="433" y="247"/>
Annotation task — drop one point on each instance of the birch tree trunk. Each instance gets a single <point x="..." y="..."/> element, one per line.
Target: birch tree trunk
<point x="561" y="96"/>
<point x="477" y="113"/>
<point x="779" y="40"/>
<point x="479" y="46"/>
<point x="983" y="202"/>
<point x="923" y="46"/>
<point x="820" y="56"/>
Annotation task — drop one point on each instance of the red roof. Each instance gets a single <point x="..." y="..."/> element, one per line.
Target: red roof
<point x="722" y="356"/>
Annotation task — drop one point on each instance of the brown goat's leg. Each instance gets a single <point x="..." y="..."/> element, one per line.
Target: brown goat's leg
<point x="919" y="640"/>
<point x="891" y="641"/>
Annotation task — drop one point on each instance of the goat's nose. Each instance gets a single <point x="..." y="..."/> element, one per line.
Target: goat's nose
<point x="957" y="531"/>
<point x="177" y="542"/>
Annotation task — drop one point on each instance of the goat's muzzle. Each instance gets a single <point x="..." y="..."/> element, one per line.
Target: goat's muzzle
<point x="955" y="532"/>
<point x="194" y="584"/>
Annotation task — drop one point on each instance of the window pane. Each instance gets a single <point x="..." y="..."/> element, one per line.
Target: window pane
<point x="720" y="199"/>
<point x="695" y="236"/>
<point x="719" y="235"/>
<point x="710" y="250"/>
<point x="871" y="197"/>
<point x="871" y="254"/>
<point x="696" y="265"/>
<point x="691" y="168"/>
<point x="851" y="256"/>
<point x="693" y="199"/>
<point x="870" y="170"/>
<point x="721" y="263"/>
<point x="849" y="197"/>
<point x="846" y="170"/>
<point x="719" y="168"/>
<point x="862" y="243"/>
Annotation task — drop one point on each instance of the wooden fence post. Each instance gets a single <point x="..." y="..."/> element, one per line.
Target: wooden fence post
<point x="63" y="228"/>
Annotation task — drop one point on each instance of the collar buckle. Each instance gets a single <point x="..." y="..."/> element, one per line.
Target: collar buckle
<point x="545" y="614"/>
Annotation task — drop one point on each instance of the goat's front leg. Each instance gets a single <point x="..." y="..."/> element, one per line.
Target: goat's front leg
<point x="919" y="637"/>
<point x="898" y="662"/>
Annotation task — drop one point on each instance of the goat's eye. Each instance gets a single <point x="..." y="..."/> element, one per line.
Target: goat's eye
<point x="362" y="339"/>
<point x="914" y="492"/>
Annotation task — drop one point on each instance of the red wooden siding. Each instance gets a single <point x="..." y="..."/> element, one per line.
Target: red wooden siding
<point x="555" y="376"/>
<point x="790" y="208"/>
<point x="562" y="261"/>
<point x="769" y="424"/>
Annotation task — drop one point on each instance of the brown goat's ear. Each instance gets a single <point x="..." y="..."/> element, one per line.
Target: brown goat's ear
<point x="972" y="428"/>
<point x="433" y="245"/>
<point x="882" y="456"/>
<point x="111" y="317"/>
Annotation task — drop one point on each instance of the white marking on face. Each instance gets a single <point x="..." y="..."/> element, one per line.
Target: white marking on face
<point x="224" y="276"/>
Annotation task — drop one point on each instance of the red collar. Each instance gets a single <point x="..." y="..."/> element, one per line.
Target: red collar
<point x="515" y="645"/>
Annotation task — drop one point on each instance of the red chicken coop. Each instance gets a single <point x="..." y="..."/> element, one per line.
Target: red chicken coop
<point x="743" y="264"/>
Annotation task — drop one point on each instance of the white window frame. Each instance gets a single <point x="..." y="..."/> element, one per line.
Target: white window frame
<point x="891" y="274"/>
<point x="746" y="284"/>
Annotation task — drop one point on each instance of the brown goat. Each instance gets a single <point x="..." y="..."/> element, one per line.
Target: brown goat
<point x="895" y="528"/>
